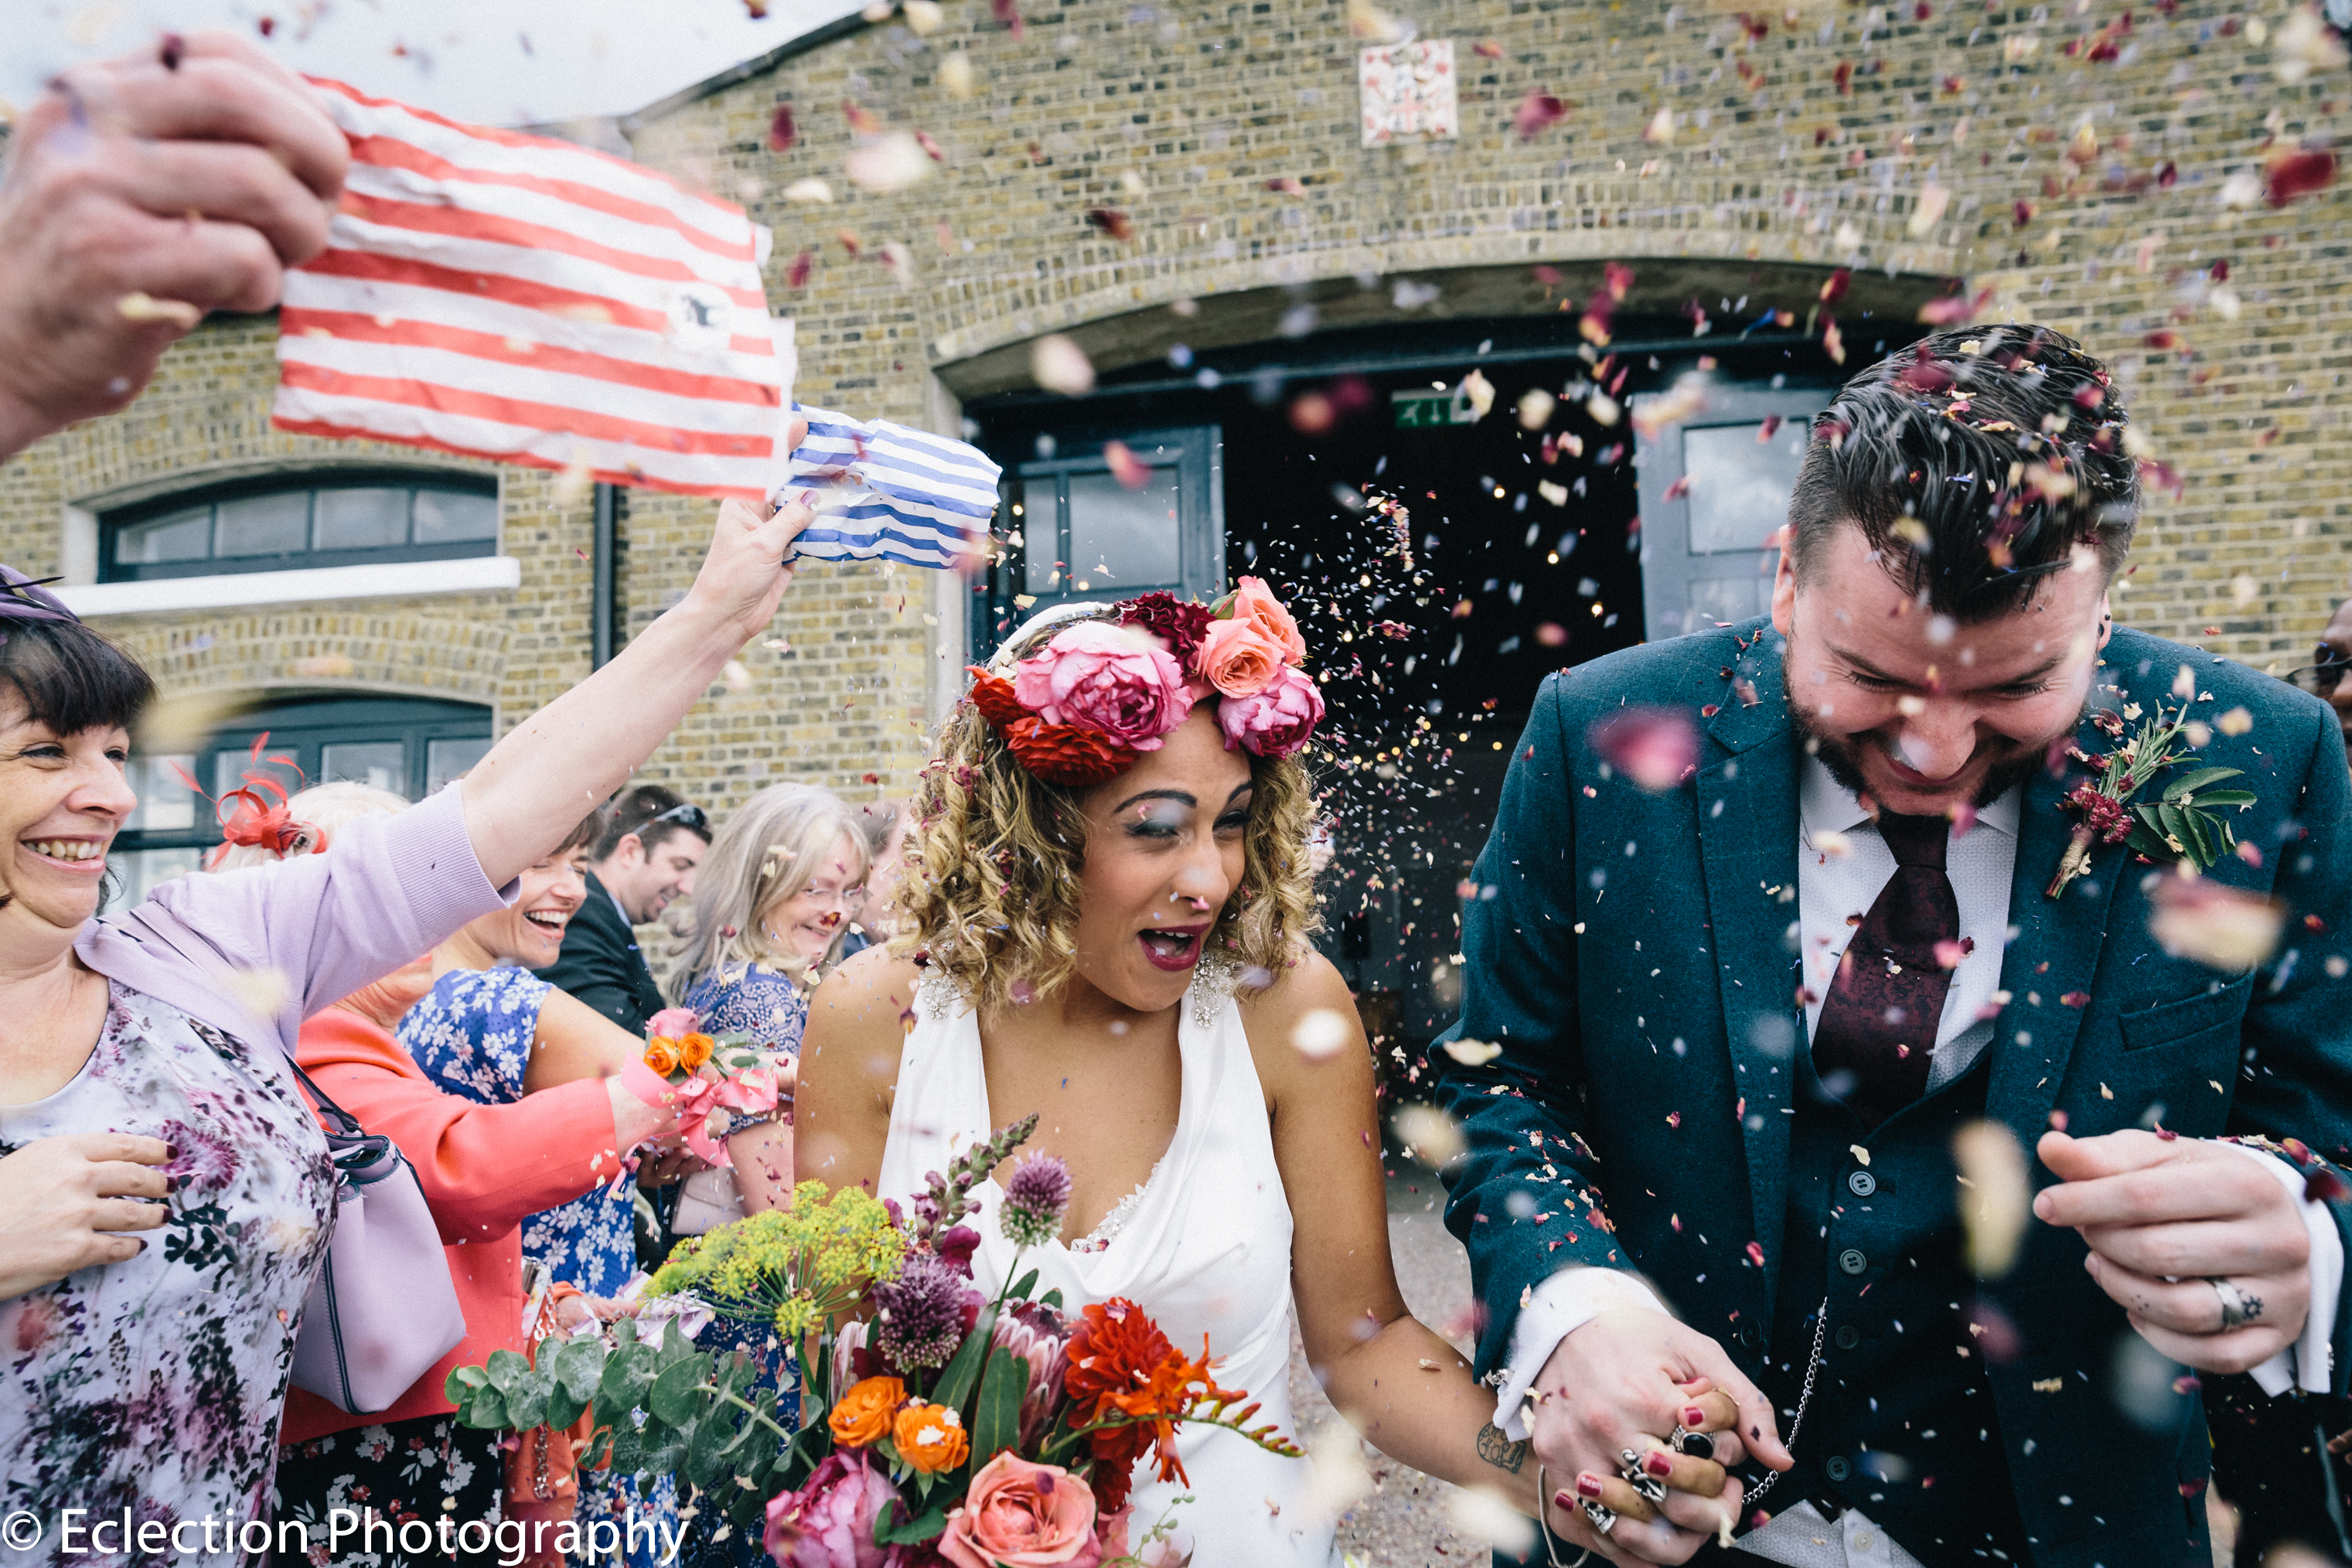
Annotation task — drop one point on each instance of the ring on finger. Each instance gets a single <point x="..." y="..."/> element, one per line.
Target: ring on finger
<point x="1696" y="1444"/>
<point x="1603" y="1519"/>
<point x="2233" y="1306"/>
<point x="1652" y="1489"/>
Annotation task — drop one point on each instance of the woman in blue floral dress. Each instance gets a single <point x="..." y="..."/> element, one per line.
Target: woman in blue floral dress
<point x="770" y="903"/>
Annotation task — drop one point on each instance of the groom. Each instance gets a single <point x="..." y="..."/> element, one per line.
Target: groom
<point x="1764" y="937"/>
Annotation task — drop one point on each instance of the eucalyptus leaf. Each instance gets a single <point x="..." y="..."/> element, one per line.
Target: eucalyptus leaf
<point x="487" y="1410"/>
<point x="464" y="1377"/>
<point x="713" y="1434"/>
<point x="676" y="1394"/>
<point x="625" y="1331"/>
<point x="577" y="1366"/>
<point x="505" y="1369"/>
<point x="527" y="1400"/>
<point x="628" y="1448"/>
<point x="2190" y="783"/>
<point x="996" y="1422"/>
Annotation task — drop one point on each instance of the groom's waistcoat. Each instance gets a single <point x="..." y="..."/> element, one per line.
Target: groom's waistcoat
<point x="1634" y="953"/>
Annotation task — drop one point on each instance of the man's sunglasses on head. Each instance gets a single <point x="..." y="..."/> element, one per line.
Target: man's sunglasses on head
<point x="688" y="816"/>
<point x="2324" y="674"/>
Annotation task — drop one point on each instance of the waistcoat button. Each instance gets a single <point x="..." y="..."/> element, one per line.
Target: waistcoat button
<point x="1861" y="1183"/>
<point x="1852" y="1261"/>
<point x="1848" y="1337"/>
<point x="1838" y="1467"/>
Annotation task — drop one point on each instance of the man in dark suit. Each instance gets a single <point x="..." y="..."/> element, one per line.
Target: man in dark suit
<point x="652" y="842"/>
<point x="1790" y="1023"/>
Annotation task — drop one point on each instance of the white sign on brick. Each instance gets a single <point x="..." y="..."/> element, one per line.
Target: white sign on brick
<point x="1408" y="92"/>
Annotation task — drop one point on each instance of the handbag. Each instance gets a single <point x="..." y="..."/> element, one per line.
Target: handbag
<point x="383" y="1311"/>
<point x="706" y="1200"/>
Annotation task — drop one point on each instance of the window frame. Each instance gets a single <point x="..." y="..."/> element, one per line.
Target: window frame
<point x="1670" y="572"/>
<point x="310" y="482"/>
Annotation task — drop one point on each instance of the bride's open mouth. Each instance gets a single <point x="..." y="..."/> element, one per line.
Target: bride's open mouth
<point x="548" y="922"/>
<point x="1174" y="948"/>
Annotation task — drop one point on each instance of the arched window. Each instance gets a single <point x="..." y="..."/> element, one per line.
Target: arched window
<point x="411" y="746"/>
<point x="279" y="523"/>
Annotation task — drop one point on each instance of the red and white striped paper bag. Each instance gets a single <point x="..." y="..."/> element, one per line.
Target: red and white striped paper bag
<point x="534" y="301"/>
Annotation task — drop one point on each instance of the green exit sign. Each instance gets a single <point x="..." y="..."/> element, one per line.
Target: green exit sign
<point x="1427" y="410"/>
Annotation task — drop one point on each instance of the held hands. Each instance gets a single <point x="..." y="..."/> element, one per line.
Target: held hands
<point x="1625" y="1381"/>
<point x="65" y="1202"/>
<point x="143" y="192"/>
<point x="2166" y="1217"/>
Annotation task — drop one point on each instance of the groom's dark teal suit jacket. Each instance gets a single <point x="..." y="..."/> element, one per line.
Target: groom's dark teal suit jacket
<point x="1635" y="955"/>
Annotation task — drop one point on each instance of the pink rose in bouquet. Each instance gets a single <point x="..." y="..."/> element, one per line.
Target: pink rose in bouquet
<point x="829" y="1521"/>
<point x="1276" y="721"/>
<point x="1239" y="659"/>
<point x="671" y="1024"/>
<point x="1255" y="605"/>
<point x="1030" y="1516"/>
<point x="1115" y="681"/>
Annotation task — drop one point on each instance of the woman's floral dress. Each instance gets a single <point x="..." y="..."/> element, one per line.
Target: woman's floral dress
<point x="472" y="1034"/>
<point x="154" y="1387"/>
<point x="765" y="1005"/>
<point x="425" y="1469"/>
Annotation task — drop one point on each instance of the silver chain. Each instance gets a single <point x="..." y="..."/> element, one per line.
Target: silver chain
<point x="1812" y="1372"/>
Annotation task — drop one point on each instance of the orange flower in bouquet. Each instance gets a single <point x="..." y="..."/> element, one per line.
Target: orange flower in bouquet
<point x="931" y="1438"/>
<point x="662" y="1056"/>
<point x="1121" y="1364"/>
<point x="694" y="1050"/>
<point x="862" y="1417"/>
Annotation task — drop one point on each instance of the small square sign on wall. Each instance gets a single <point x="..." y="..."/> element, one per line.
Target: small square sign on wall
<point x="1409" y="92"/>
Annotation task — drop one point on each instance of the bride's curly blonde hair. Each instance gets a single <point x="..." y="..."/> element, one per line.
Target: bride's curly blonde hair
<point x="993" y="855"/>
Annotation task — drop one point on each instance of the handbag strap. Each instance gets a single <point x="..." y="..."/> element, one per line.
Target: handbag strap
<point x="352" y="1146"/>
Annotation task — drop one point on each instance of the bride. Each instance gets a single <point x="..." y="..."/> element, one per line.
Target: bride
<point x="1107" y="908"/>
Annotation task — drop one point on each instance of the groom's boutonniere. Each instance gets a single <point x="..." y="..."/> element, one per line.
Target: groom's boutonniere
<point x="2182" y="826"/>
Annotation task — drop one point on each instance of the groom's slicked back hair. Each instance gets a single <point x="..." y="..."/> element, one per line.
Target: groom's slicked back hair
<point x="1975" y="462"/>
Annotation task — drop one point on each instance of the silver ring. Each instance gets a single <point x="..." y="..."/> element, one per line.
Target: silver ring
<point x="1696" y="1445"/>
<point x="1653" y="1491"/>
<point x="1602" y="1519"/>
<point x="2233" y="1306"/>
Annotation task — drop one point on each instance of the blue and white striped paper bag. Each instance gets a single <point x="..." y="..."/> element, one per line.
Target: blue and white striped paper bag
<point x="882" y="491"/>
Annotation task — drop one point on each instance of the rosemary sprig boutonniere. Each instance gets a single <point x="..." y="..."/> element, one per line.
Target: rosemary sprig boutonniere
<point x="2182" y="826"/>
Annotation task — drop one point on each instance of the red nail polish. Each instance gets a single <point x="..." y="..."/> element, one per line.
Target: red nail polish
<point x="1659" y="1464"/>
<point x="1587" y="1485"/>
<point x="1693" y="1417"/>
<point x="1563" y="1499"/>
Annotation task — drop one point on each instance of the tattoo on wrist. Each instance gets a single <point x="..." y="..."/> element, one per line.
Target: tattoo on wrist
<point x="1501" y="1451"/>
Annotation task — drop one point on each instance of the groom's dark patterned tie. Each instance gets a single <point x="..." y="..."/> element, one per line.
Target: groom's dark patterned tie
<point x="1879" y="1021"/>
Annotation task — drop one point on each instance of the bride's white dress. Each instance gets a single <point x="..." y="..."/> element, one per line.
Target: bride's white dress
<point x="1203" y="1246"/>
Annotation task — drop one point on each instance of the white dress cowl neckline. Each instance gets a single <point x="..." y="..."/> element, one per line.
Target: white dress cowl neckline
<point x="1203" y="1246"/>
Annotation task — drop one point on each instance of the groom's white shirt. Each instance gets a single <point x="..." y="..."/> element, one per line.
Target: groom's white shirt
<point x="1842" y="865"/>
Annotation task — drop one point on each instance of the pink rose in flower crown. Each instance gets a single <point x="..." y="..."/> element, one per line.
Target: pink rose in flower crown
<point x="1239" y="659"/>
<point x="1027" y="1515"/>
<point x="829" y="1521"/>
<point x="1255" y="605"/>
<point x="1273" y="722"/>
<point x="1113" y="679"/>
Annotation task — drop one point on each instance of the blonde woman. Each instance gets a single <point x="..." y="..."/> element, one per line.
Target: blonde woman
<point x="1108" y="888"/>
<point x="770" y="908"/>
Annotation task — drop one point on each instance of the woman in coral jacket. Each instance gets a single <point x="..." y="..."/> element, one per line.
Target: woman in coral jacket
<point x="484" y="1168"/>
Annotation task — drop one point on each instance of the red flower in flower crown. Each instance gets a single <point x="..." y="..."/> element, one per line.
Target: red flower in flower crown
<point x="1164" y="615"/>
<point x="1065" y="753"/>
<point x="992" y="695"/>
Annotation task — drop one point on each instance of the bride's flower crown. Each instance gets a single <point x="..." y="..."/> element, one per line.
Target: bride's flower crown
<point x="1100" y="693"/>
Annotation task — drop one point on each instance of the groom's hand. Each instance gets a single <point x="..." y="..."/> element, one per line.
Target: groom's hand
<point x="2164" y="1218"/>
<point x="1619" y="1383"/>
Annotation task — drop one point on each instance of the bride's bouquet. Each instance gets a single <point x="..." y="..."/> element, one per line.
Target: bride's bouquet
<point x="938" y="1425"/>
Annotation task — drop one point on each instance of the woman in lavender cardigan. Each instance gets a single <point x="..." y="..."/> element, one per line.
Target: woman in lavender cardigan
<point x="164" y="1191"/>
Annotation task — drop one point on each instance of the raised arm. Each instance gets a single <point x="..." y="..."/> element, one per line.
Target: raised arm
<point x="849" y="1071"/>
<point x="1400" y="1385"/>
<point x="555" y="765"/>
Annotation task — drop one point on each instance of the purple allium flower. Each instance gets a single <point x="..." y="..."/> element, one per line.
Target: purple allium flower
<point x="955" y="1246"/>
<point x="920" y="1318"/>
<point x="1035" y="1198"/>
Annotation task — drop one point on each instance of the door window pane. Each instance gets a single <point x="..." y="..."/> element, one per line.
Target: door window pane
<point x="445" y="515"/>
<point x="165" y="804"/>
<point x="263" y="525"/>
<point x="446" y="760"/>
<point x="382" y="764"/>
<point x="1740" y="485"/>
<point x="362" y="518"/>
<point x="1714" y="599"/>
<point x="183" y="536"/>
<point x="1041" y="537"/>
<point x="1123" y="540"/>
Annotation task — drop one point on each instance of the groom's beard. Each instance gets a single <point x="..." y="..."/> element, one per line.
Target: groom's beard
<point x="2012" y="764"/>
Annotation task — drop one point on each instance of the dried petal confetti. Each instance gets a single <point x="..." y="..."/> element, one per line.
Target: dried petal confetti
<point x="1994" y="1197"/>
<point x="1657" y="748"/>
<point x="2222" y="928"/>
<point x="1058" y="364"/>
<point x="887" y="164"/>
